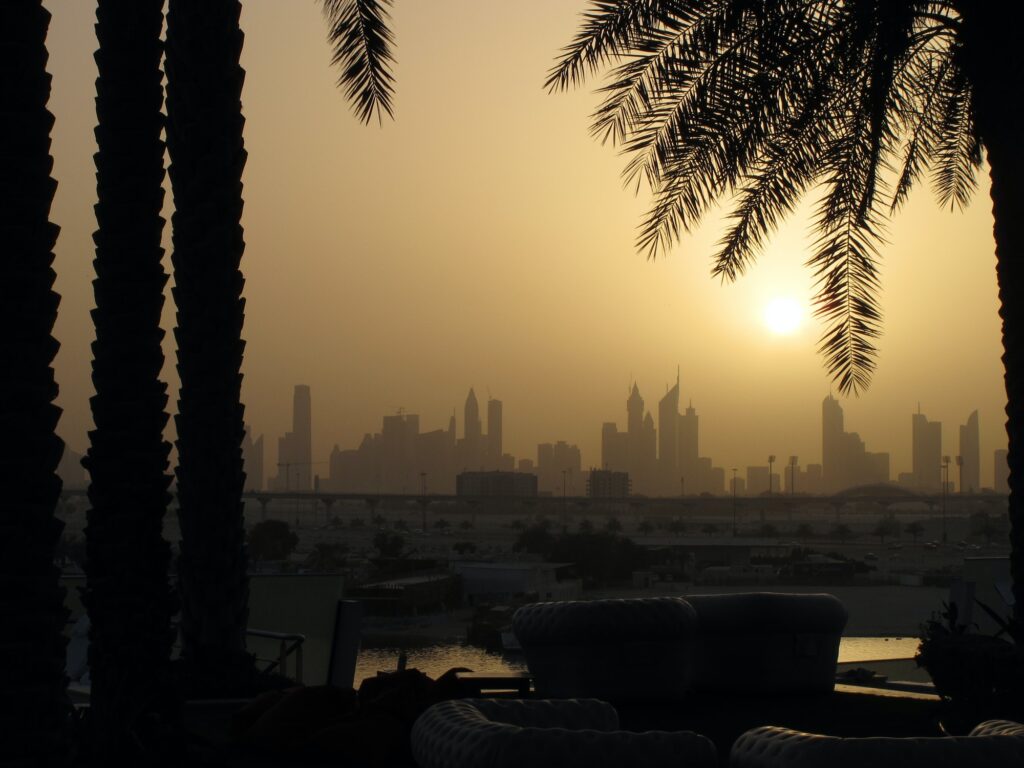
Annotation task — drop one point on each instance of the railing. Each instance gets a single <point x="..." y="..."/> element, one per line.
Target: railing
<point x="289" y="644"/>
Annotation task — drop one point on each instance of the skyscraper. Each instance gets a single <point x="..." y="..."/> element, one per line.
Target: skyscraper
<point x="494" y="449"/>
<point x="970" y="456"/>
<point x="295" y="449"/>
<point x="668" y="440"/>
<point x="927" y="452"/>
<point x="833" y="467"/>
<point x="472" y="430"/>
<point x="689" y="452"/>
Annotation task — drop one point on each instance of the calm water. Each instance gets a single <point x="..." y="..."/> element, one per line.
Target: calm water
<point x="435" y="660"/>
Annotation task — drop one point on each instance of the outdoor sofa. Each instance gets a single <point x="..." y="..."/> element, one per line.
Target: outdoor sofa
<point x="993" y="744"/>
<point x="538" y="733"/>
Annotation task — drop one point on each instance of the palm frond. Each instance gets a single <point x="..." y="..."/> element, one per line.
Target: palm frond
<point x="772" y="98"/>
<point x="610" y="28"/>
<point x="362" y="41"/>
<point x="957" y="149"/>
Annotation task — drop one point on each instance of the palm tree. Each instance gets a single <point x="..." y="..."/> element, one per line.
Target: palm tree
<point x="764" y="101"/>
<point x="204" y="139"/>
<point x="128" y="595"/>
<point x="34" y="705"/>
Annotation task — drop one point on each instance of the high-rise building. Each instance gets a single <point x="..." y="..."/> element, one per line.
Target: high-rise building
<point x="1001" y="480"/>
<point x="295" y="448"/>
<point x="688" y="450"/>
<point x="471" y="454"/>
<point x="494" y="449"/>
<point x="668" y="440"/>
<point x="833" y="465"/>
<point x="845" y="461"/>
<point x="970" y="456"/>
<point x="614" y="448"/>
<point x="927" y="453"/>
<point x="558" y="469"/>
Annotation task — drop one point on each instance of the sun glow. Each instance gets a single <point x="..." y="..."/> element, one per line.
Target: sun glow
<point x="783" y="315"/>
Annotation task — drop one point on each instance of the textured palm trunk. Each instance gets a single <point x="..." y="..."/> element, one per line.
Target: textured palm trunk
<point x="992" y="56"/>
<point x="34" y="706"/>
<point x="204" y="137"/>
<point x="128" y="594"/>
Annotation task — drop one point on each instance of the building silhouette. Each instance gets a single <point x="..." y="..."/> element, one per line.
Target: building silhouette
<point x="927" y="453"/>
<point x="471" y="448"/>
<point x="558" y="469"/>
<point x="606" y="484"/>
<point x="970" y="456"/>
<point x="668" y="440"/>
<point x="845" y="461"/>
<point x="614" y="448"/>
<point x="295" y="448"/>
<point x="495" y="483"/>
<point x="494" y="450"/>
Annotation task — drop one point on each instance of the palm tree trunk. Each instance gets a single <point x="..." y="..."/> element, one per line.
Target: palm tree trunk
<point x="204" y="137"/>
<point x="994" y="64"/>
<point x="128" y="593"/>
<point x="34" y="706"/>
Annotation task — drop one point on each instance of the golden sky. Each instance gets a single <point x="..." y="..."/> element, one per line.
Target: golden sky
<point x="483" y="238"/>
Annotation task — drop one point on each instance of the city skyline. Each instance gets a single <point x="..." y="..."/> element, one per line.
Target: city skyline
<point x="662" y="460"/>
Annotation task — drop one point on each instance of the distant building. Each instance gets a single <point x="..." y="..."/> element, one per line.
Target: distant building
<point x="668" y="440"/>
<point x="606" y="484"/>
<point x="471" y="447"/>
<point x="495" y="483"/>
<point x="558" y="468"/>
<point x="845" y="461"/>
<point x="494" y="450"/>
<point x="970" y="456"/>
<point x="1001" y="481"/>
<point x="614" y="448"/>
<point x="927" y="453"/>
<point x="295" y="448"/>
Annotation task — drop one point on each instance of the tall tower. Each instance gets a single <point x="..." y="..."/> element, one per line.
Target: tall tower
<point x="301" y="452"/>
<point x="927" y="452"/>
<point x="689" y="450"/>
<point x="472" y="432"/>
<point x="494" y="449"/>
<point x="970" y="455"/>
<point x="833" y="465"/>
<point x="668" y="439"/>
<point x="635" y="436"/>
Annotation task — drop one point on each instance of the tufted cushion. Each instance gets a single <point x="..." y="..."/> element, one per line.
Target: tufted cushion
<point x="998" y="745"/>
<point x="769" y="613"/>
<point x="487" y="733"/>
<point x="604" y="621"/>
<point x="616" y="650"/>
<point x="767" y="642"/>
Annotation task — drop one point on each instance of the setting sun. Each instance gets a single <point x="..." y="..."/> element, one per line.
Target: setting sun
<point x="783" y="315"/>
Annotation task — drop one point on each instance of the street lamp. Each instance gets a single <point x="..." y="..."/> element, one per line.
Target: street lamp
<point x="734" y="502"/>
<point x="771" y="461"/>
<point x="792" y="474"/>
<point x="945" y="491"/>
<point x="960" y="467"/>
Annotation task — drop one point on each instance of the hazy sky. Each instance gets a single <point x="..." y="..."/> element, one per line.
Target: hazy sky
<point x="483" y="238"/>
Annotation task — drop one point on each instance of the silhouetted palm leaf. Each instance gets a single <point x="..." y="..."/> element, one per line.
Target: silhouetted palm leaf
<point x="362" y="44"/>
<point x="762" y="102"/>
